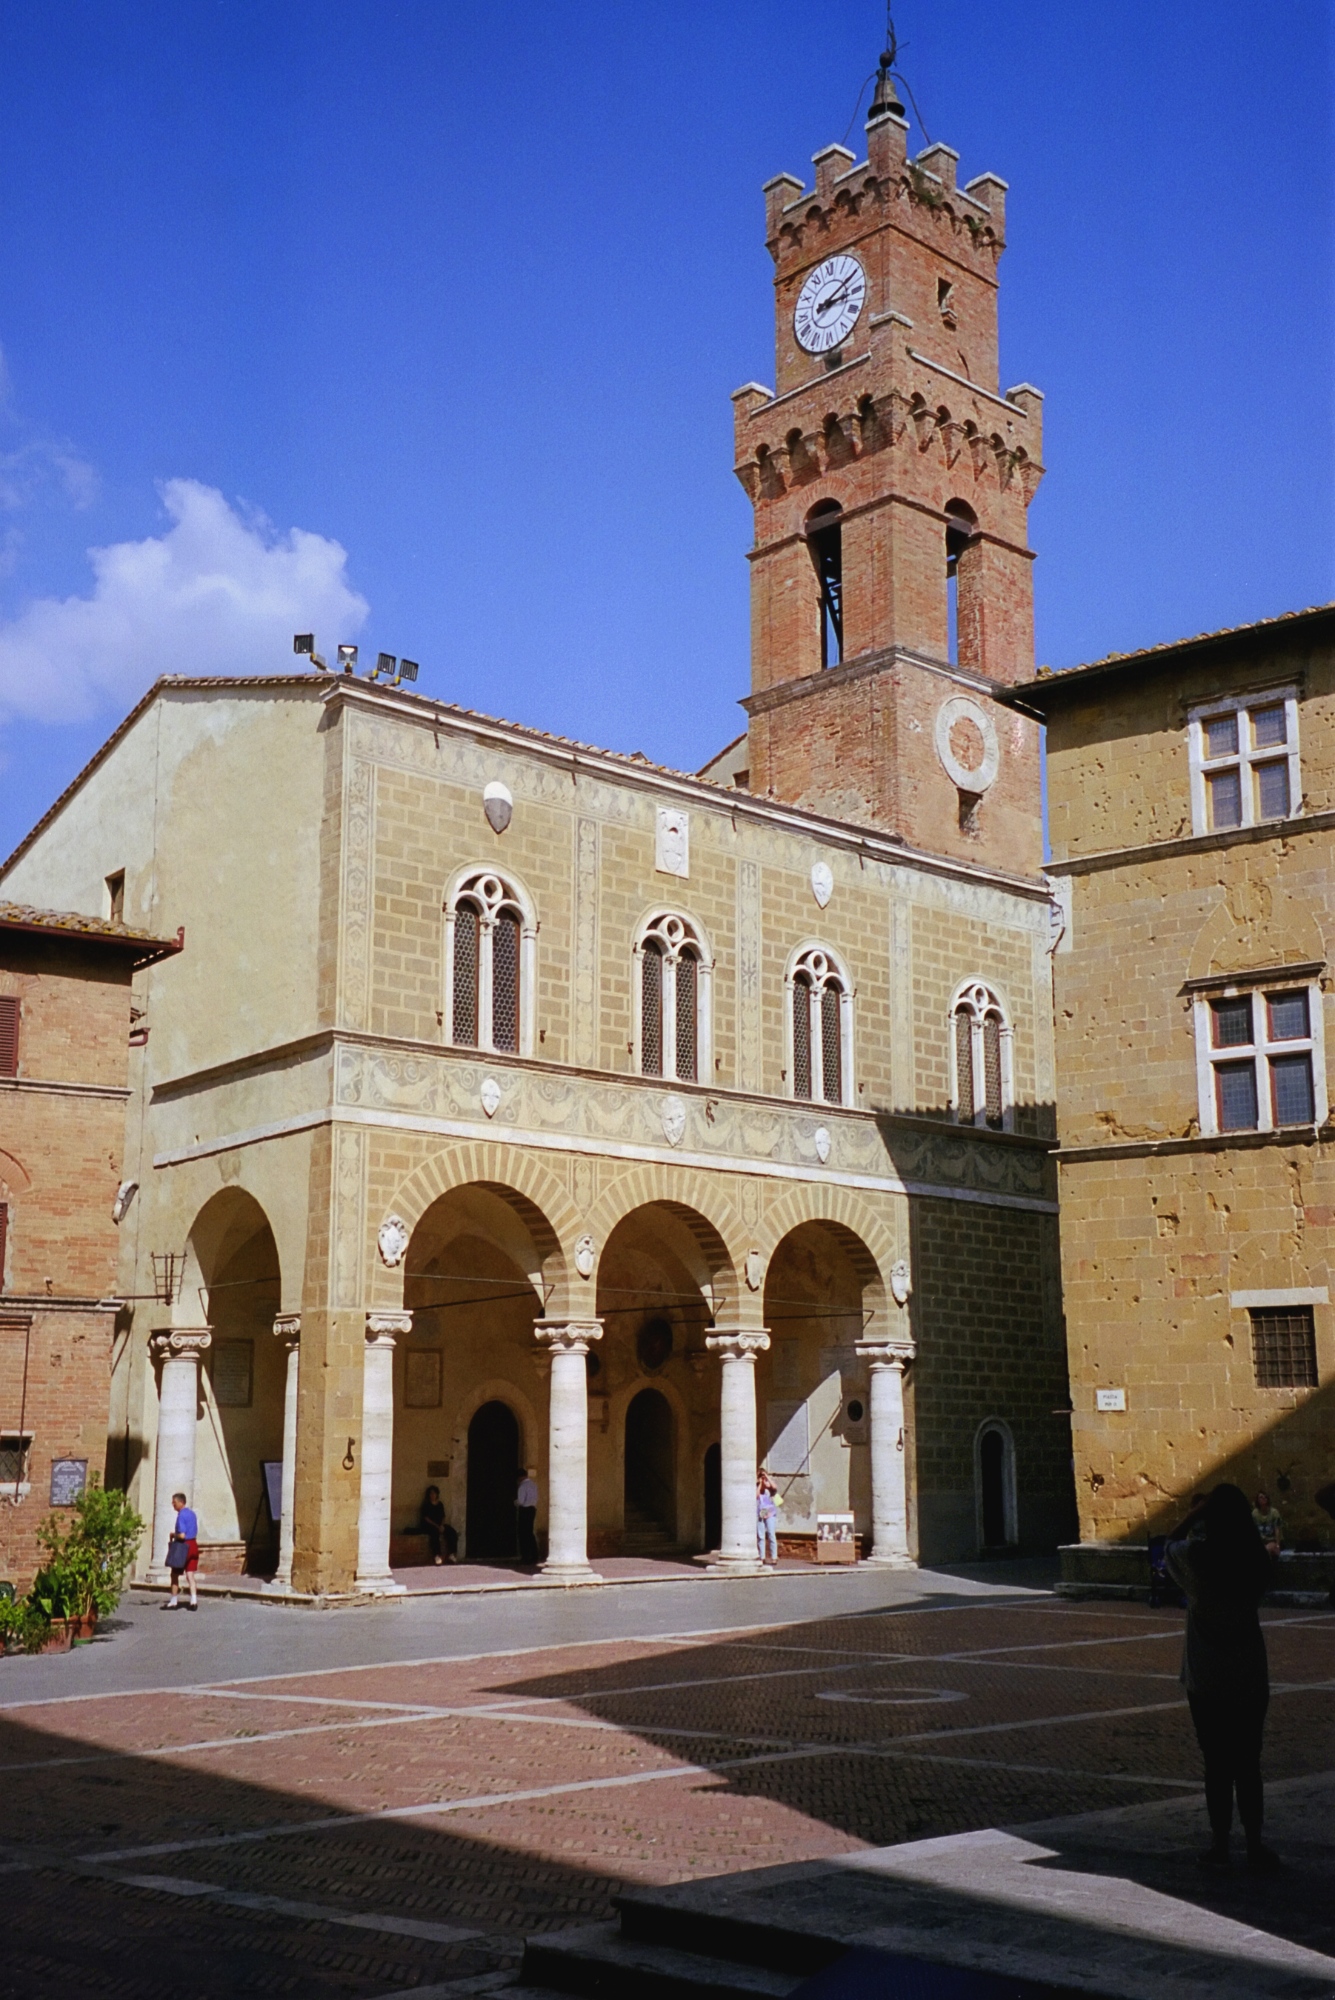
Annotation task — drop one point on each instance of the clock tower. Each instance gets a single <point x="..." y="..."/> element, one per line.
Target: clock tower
<point x="891" y="477"/>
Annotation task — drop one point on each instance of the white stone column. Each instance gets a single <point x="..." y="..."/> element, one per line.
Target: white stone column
<point x="373" y="1573"/>
<point x="179" y="1350"/>
<point x="287" y="1328"/>
<point x="886" y="1361"/>
<point x="568" y="1449"/>
<point x="737" y="1449"/>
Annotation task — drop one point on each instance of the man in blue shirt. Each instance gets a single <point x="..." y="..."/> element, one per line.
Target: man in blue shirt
<point x="183" y="1552"/>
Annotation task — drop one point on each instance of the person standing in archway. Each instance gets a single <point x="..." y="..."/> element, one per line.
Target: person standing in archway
<point x="767" y="1509"/>
<point x="1224" y="1571"/>
<point x="526" y="1511"/>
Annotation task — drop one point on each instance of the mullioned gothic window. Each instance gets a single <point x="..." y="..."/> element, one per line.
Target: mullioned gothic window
<point x="820" y="1027"/>
<point x="490" y="955"/>
<point x="674" y="978"/>
<point x="981" y="1058"/>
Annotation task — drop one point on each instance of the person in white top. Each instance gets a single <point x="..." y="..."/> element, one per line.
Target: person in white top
<point x="526" y="1509"/>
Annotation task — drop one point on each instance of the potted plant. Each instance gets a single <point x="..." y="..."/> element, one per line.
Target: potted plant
<point x="84" y="1573"/>
<point x="23" y="1628"/>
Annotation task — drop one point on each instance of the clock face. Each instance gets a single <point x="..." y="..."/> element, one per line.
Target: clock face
<point x="829" y="303"/>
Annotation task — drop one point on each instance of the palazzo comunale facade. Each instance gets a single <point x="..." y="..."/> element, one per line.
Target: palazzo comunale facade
<point x="517" y="1104"/>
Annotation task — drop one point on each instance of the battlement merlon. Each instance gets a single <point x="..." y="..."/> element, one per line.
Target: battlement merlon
<point x="755" y="423"/>
<point x="887" y="159"/>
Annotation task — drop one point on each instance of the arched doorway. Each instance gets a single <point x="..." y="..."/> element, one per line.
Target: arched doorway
<point x="493" y="1481"/>
<point x="713" y="1496"/>
<point x="651" y="1471"/>
<point x="996" y="1487"/>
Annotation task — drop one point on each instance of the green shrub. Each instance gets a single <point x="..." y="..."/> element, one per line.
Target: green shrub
<point x="23" y="1626"/>
<point x="87" y="1562"/>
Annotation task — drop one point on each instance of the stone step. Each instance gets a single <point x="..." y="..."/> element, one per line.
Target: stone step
<point x="597" y="1960"/>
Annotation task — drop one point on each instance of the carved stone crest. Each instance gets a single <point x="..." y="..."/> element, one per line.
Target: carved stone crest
<point x="672" y="843"/>
<point x="822" y="882"/>
<point x="822" y="1140"/>
<point x="674" y="1120"/>
<point x="901" y="1285"/>
<point x="498" y="805"/>
<point x="392" y="1240"/>
<point x="754" y="1268"/>
<point x="585" y="1252"/>
<point x="490" y="1094"/>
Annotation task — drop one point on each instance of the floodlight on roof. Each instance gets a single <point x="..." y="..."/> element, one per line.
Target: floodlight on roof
<point x="385" y="664"/>
<point x="347" y="659"/>
<point x="304" y="642"/>
<point x="407" y="671"/>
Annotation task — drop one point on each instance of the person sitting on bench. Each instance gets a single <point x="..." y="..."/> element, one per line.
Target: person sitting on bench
<point x="443" y="1538"/>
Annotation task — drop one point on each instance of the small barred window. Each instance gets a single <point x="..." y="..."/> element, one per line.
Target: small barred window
<point x="1284" y="1347"/>
<point x="466" y="924"/>
<point x="981" y="1049"/>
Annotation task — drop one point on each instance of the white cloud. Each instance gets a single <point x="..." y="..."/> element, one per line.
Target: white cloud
<point x="216" y="594"/>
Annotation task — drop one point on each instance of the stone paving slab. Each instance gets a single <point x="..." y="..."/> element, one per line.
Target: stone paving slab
<point x="336" y="1824"/>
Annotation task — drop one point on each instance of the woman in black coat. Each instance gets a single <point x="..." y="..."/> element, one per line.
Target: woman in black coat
<point x="1223" y="1571"/>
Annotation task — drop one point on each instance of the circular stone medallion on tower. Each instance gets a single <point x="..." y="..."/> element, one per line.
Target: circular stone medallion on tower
<point x="966" y="743"/>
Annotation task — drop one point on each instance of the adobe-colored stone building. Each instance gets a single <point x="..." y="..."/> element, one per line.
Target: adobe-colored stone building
<point x="553" y="1108"/>
<point x="65" y="1032"/>
<point x="1192" y="809"/>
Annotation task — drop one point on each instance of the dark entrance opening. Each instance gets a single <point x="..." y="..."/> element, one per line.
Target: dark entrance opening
<point x="992" y="1465"/>
<point x="493" y="1481"/>
<point x="651" y="1484"/>
<point x="713" y="1496"/>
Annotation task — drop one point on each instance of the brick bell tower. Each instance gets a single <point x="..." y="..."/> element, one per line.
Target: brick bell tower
<point x="891" y="571"/>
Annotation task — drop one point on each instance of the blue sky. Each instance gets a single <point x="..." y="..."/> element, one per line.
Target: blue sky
<point x="424" y="318"/>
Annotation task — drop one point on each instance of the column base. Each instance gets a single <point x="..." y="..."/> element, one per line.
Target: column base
<point x="888" y="1562"/>
<point x="157" y="1573"/>
<point x="283" y="1583"/>
<point x="378" y="1586"/>
<point x="739" y="1566"/>
<point x="567" y="1573"/>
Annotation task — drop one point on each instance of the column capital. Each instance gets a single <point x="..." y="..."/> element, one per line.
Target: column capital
<point x="287" y="1328"/>
<point x="885" y="1353"/>
<point x="382" y="1327"/>
<point x="567" y="1336"/>
<point x="174" y="1343"/>
<point x="738" y="1343"/>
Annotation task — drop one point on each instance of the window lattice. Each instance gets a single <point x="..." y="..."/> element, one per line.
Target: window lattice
<point x="964" y="1061"/>
<point x="14" y="1459"/>
<point x="505" y="982"/>
<point x="1284" y="1347"/>
<point x="651" y="1002"/>
<point x="832" y="1066"/>
<point x="466" y="927"/>
<point x="687" y="978"/>
<point x="801" y="1037"/>
<point x="992" y="1067"/>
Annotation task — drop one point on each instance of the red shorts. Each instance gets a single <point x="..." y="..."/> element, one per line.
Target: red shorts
<point x="192" y="1555"/>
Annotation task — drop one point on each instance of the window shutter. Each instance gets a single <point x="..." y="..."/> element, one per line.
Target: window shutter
<point x="9" y="1036"/>
<point x="4" y="1235"/>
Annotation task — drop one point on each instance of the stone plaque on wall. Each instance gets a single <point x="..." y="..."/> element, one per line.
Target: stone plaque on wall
<point x="69" y="1476"/>
<point x="232" y="1363"/>
<point x="421" y="1378"/>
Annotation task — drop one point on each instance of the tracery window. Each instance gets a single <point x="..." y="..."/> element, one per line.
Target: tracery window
<point x="820" y="1016"/>
<point x="490" y="952"/>
<point x="673" y="978"/>
<point x="981" y="1054"/>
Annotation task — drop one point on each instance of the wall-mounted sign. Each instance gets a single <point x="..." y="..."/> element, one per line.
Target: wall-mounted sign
<point x="1110" y="1399"/>
<point x="69" y="1476"/>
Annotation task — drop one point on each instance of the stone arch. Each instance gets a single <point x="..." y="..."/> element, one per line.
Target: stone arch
<point x="1256" y="925"/>
<point x="227" y="1221"/>
<point x="532" y="1427"/>
<point x="539" y="1200"/>
<point x="871" y="1245"/>
<point x="710" y="1221"/>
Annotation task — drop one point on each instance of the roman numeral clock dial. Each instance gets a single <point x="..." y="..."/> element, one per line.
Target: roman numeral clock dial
<point x="829" y="303"/>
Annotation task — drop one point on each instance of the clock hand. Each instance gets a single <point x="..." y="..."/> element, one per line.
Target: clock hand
<point x="824" y="305"/>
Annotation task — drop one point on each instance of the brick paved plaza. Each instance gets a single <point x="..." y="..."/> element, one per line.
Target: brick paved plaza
<point x="352" y="1823"/>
